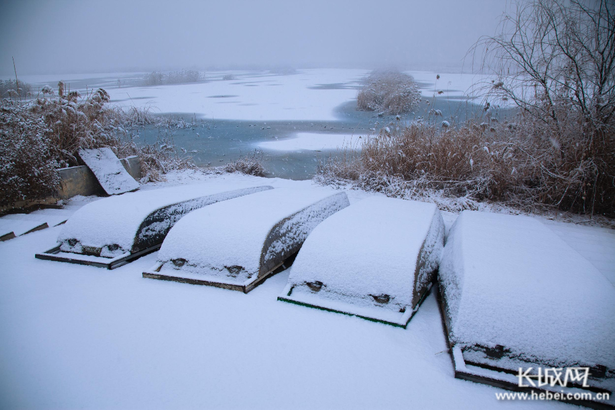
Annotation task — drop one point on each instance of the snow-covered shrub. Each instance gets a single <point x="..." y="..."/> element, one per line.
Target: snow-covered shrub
<point x="183" y="76"/>
<point x="173" y="77"/>
<point x="39" y="136"/>
<point x="517" y="165"/>
<point x="27" y="165"/>
<point x="153" y="78"/>
<point x="566" y="93"/>
<point x="249" y="165"/>
<point x="390" y="92"/>
<point x="14" y="89"/>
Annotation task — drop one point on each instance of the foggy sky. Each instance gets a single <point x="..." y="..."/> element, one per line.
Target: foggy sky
<point x="65" y="36"/>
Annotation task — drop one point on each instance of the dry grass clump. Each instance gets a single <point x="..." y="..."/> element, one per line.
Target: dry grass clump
<point x="248" y="164"/>
<point x="39" y="136"/>
<point x="520" y="165"/>
<point x="390" y="92"/>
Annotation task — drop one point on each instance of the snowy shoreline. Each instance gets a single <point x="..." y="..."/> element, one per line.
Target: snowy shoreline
<point x="87" y="337"/>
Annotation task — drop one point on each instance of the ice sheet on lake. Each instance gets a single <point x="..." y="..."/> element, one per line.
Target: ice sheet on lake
<point x="255" y="97"/>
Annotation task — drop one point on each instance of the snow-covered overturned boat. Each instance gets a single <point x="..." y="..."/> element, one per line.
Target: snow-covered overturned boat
<point x="238" y="244"/>
<point x="116" y="230"/>
<point x="516" y="298"/>
<point x="375" y="259"/>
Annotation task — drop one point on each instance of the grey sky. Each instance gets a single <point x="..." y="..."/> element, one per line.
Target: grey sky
<point x="102" y="35"/>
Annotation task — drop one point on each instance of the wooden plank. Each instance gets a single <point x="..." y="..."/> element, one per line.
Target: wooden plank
<point x="7" y="236"/>
<point x="108" y="170"/>
<point x="40" y="227"/>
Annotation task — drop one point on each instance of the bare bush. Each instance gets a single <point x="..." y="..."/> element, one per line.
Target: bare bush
<point x="555" y="60"/>
<point x="154" y="78"/>
<point x="390" y="92"/>
<point x="183" y="76"/>
<point x="249" y="165"/>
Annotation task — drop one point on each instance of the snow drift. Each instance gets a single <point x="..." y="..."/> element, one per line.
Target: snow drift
<point x="238" y="244"/>
<point x="375" y="259"/>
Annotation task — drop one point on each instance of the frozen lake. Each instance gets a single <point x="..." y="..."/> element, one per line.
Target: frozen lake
<point x="293" y="121"/>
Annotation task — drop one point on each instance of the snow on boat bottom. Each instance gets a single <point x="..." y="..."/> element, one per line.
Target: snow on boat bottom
<point x="375" y="259"/>
<point x="509" y="295"/>
<point x="114" y="231"/>
<point x="238" y="244"/>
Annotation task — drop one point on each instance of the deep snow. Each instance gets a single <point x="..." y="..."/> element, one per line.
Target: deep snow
<point x="84" y="337"/>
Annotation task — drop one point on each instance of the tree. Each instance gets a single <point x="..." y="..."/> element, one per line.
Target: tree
<point x="555" y="60"/>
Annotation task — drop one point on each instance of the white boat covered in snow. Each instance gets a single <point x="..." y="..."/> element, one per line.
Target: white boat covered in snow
<point x="516" y="297"/>
<point x="238" y="244"/>
<point x="375" y="259"/>
<point x="114" y="231"/>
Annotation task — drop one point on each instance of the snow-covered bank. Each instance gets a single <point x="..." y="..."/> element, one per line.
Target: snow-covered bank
<point x="83" y="337"/>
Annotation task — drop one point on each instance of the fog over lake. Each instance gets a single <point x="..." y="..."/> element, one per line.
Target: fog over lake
<point x="96" y="36"/>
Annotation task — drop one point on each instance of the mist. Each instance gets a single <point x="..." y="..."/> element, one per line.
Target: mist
<point x="67" y="36"/>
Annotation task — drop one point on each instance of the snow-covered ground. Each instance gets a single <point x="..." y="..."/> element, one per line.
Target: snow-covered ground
<point x="76" y="336"/>
<point x="83" y="337"/>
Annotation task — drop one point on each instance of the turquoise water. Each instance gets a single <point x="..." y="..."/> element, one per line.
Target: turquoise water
<point x="217" y="142"/>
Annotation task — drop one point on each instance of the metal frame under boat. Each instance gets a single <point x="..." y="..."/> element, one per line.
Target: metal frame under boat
<point x="55" y="254"/>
